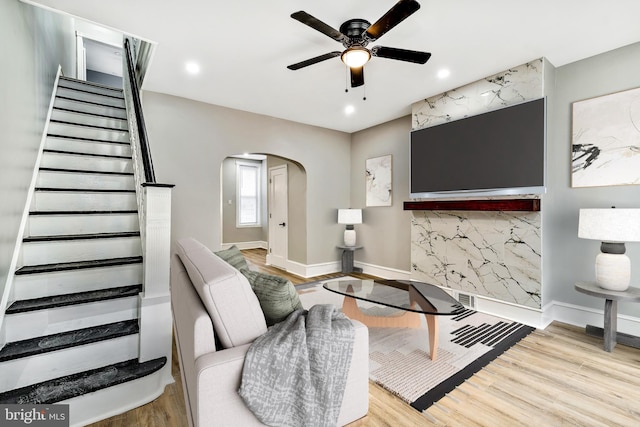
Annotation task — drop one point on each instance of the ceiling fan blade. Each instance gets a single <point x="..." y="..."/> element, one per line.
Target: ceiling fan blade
<point x="315" y="60"/>
<point x="400" y="54"/>
<point x="398" y="13"/>
<point x="318" y="25"/>
<point x="357" y="76"/>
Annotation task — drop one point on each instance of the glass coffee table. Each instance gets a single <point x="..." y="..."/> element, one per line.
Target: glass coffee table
<point x="414" y="298"/>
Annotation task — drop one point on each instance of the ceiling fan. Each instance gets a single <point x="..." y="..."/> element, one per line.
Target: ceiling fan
<point x="356" y="34"/>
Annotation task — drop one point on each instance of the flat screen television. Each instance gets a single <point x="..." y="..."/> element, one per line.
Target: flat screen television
<point x="501" y="152"/>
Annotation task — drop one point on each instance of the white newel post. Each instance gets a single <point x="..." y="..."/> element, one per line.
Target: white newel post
<point x="155" y="302"/>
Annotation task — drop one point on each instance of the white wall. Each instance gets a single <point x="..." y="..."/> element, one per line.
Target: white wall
<point x="571" y="259"/>
<point x="384" y="232"/>
<point x="189" y="140"/>
<point x="33" y="43"/>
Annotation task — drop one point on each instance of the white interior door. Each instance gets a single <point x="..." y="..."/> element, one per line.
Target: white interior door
<point x="278" y="217"/>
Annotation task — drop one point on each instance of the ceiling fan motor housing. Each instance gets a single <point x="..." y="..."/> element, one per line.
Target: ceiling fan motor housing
<point x="354" y="30"/>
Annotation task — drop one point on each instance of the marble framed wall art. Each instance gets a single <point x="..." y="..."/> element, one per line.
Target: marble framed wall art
<point x="378" y="181"/>
<point x="606" y="140"/>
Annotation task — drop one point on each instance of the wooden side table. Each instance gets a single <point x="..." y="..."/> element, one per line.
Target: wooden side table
<point x="347" y="259"/>
<point x="609" y="332"/>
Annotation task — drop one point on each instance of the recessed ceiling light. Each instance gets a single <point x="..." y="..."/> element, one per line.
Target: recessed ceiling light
<point x="192" y="68"/>
<point x="349" y="109"/>
<point x="444" y="73"/>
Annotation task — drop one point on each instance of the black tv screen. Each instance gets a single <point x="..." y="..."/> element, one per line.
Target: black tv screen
<point x="496" y="153"/>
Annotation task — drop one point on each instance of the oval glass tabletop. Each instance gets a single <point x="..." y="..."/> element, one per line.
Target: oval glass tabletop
<point x="405" y="295"/>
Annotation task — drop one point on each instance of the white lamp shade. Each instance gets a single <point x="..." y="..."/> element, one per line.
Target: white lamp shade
<point x="610" y="225"/>
<point x="350" y="216"/>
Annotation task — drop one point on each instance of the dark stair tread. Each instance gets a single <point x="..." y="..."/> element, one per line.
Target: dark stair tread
<point x="48" y="343"/>
<point x="77" y="265"/>
<point x="67" y="387"/>
<point x="114" y="212"/>
<point x="84" y="113"/>
<point x="117" y="93"/>
<point x="88" y="83"/>
<point x="79" y="153"/>
<point x="80" y="138"/>
<point x="83" y="171"/>
<point x="84" y="190"/>
<point x="84" y="101"/>
<point x="88" y="236"/>
<point x="84" y="125"/>
<point x="64" y="300"/>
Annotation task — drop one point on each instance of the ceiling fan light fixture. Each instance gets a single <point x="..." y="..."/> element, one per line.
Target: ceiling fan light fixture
<point x="356" y="56"/>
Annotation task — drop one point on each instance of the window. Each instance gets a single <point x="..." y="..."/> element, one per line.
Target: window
<point x="248" y="194"/>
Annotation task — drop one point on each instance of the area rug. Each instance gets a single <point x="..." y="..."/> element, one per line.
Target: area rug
<point x="399" y="357"/>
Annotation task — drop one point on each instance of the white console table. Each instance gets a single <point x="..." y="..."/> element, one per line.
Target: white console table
<point x="609" y="332"/>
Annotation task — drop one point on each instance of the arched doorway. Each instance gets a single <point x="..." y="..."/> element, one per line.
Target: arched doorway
<point x="282" y="200"/>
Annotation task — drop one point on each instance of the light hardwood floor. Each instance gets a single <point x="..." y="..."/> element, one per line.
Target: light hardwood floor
<point x="555" y="377"/>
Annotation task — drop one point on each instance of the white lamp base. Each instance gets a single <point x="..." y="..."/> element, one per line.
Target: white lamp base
<point x="349" y="237"/>
<point x="613" y="271"/>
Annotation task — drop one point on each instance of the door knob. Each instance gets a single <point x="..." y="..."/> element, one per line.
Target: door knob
<point x="282" y="224"/>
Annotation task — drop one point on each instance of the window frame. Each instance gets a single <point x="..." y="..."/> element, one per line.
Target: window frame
<point x="258" y="182"/>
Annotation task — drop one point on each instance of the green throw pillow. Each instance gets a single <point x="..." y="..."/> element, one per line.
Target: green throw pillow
<point x="234" y="257"/>
<point x="277" y="295"/>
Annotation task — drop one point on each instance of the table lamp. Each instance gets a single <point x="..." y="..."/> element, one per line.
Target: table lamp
<point x="613" y="227"/>
<point x="349" y="217"/>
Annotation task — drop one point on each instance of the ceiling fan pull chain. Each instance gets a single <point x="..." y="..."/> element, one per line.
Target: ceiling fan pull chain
<point x="346" y="79"/>
<point x="364" y="92"/>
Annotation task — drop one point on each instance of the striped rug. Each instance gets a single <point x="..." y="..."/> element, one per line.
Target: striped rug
<point x="399" y="357"/>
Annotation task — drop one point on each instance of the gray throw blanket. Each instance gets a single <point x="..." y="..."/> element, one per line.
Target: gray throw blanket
<point x="295" y="374"/>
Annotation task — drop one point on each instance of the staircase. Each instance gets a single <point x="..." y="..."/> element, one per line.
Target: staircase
<point x="73" y="327"/>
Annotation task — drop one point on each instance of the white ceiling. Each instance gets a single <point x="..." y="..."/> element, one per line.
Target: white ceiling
<point x="243" y="48"/>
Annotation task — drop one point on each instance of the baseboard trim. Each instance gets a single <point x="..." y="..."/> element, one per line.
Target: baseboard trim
<point x="582" y="316"/>
<point x="384" y="272"/>
<point x="257" y="244"/>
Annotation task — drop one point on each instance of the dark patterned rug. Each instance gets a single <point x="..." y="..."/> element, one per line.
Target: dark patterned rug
<point x="399" y="357"/>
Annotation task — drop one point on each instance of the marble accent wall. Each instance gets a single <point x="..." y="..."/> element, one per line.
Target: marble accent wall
<point x="492" y="254"/>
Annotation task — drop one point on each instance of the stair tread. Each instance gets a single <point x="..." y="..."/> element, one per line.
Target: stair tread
<point x="89" y="140"/>
<point x="66" y="98"/>
<point x="48" y="343"/>
<point x="87" y="236"/>
<point x="74" y="385"/>
<point x="88" y="83"/>
<point x="77" y="265"/>
<point x="116" y="95"/>
<point x="84" y="125"/>
<point x="84" y="113"/>
<point x="109" y="212"/>
<point x="64" y="300"/>
<point x="85" y="190"/>
<point x="84" y="171"/>
<point x="78" y="153"/>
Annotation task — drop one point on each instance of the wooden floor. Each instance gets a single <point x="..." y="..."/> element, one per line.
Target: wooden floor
<point x="555" y="377"/>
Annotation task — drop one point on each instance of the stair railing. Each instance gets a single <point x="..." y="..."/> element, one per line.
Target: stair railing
<point x="154" y="212"/>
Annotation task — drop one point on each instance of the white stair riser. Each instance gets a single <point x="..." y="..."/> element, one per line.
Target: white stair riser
<point x="89" y="163"/>
<point x="90" y="97"/>
<point x="88" y="147"/>
<point x="49" y="225"/>
<point x="30" y="370"/>
<point x="30" y="286"/>
<point x="22" y="326"/>
<point x="77" y="131"/>
<point x="88" y="119"/>
<point x="53" y="179"/>
<point x="37" y="253"/>
<point x="87" y="87"/>
<point x="87" y="107"/>
<point x="62" y="201"/>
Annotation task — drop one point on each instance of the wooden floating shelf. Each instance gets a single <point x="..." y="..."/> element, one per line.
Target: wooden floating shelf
<point x="524" y="205"/>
